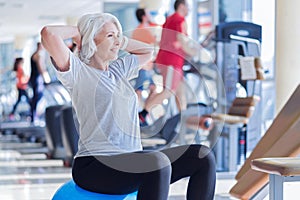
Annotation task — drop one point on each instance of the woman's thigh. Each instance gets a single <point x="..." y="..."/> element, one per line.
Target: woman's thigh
<point x="187" y="159"/>
<point x="118" y="174"/>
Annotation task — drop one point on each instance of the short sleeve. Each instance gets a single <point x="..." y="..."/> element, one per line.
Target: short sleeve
<point x="128" y="66"/>
<point x="68" y="78"/>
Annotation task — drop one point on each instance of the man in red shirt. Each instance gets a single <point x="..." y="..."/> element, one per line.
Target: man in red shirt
<point x="170" y="59"/>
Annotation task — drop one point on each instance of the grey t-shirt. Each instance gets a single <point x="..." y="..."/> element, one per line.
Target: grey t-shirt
<point x="105" y="104"/>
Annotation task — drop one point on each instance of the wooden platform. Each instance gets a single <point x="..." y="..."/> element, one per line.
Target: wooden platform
<point x="282" y="166"/>
<point x="280" y="140"/>
<point x="280" y="170"/>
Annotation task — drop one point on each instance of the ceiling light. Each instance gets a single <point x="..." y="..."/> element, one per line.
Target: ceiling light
<point x="49" y="17"/>
<point x="18" y="5"/>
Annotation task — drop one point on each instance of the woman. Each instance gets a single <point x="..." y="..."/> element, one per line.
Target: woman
<point x="22" y="84"/>
<point x="110" y="158"/>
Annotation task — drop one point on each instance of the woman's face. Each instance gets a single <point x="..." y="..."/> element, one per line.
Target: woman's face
<point x="107" y="41"/>
<point x="21" y="63"/>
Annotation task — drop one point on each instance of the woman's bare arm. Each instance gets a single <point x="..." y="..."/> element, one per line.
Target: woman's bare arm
<point x="142" y="50"/>
<point x="53" y="41"/>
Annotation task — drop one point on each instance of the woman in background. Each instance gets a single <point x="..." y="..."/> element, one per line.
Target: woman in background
<point x="22" y="84"/>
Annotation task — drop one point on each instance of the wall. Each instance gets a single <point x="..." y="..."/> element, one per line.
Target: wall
<point x="287" y="49"/>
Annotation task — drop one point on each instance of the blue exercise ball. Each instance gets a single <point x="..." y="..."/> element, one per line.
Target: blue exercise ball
<point x="71" y="191"/>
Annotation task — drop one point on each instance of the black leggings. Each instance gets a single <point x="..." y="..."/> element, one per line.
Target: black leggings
<point x="21" y="93"/>
<point x="149" y="172"/>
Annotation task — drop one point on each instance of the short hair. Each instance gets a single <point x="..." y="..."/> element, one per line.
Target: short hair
<point x="17" y="62"/>
<point x="39" y="45"/>
<point x="139" y="13"/>
<point x="89" y="25"/>
<point x="177" y="3"/>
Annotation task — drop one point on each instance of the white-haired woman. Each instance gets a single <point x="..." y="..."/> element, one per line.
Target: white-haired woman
<point x="110" y="158"/>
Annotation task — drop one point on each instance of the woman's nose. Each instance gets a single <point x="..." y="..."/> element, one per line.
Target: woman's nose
<point x="117" y="40"/>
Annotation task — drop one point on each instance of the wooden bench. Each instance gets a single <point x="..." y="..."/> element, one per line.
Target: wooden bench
<point x="280" y="170"/>
<point x="280" y="140"/>
<point x="283" y="121"/>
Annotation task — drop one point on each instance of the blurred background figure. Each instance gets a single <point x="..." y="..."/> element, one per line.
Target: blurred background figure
<point x="22" y="84"/>
<point x="38" y="78"/>
<point x="170" y="60"/>
<point x="143" y="32"/>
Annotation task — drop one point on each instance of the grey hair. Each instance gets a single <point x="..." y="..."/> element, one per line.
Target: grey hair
<point x="89" y="25"/>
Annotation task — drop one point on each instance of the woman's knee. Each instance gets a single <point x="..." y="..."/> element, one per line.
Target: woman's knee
<point x="204" y="153"/>
<point x="158" y="160"/>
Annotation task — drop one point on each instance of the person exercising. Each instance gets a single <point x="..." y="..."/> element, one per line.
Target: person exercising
<point x="110" y="157"/>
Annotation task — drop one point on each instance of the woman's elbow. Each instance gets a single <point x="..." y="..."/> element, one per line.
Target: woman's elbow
<point x="147" y="57"/>
<point x="46" y="33"/>
<point x="150" y="53"/>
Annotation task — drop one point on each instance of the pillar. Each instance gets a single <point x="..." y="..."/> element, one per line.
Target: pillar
<point x="287" y="50"/>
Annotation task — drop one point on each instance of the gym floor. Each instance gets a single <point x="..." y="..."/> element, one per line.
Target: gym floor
<point x="32" y="176"/>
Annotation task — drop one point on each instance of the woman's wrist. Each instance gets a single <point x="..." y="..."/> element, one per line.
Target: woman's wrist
<point x="124" y="43"/>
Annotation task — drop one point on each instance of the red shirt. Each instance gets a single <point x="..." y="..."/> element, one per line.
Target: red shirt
<point x="22" y="81"/>
<point x="168" y="54"/>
